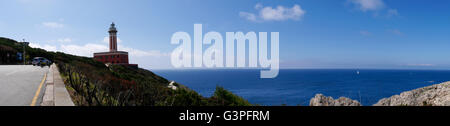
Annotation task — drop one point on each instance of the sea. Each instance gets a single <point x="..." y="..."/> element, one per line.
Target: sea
<point x="295" y="87"/>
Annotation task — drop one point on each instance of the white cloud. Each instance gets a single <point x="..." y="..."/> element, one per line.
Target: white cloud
<point x="64" y="40"/>
<point x="248" y="16"/>
<point x="149" y="59"/>
<point x="135" y="52"/>
<point x="46" y="47"/>
<point x="369" y="5"/>
<point x="280" y="13"/>
<point x="376" y="6"/>
<point x="141" y="53"/>
<point x="90" y="48"/>
<point x="52" y="24"/>
<point x="85" y="50"/>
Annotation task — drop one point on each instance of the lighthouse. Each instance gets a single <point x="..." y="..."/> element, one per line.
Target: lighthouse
<point x="112" y="38"/>
<point x="113" y="56"/>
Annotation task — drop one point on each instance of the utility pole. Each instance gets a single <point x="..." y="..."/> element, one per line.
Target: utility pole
<point x="24" y="56"/>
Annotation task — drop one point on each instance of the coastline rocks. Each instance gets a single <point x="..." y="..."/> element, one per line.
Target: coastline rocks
<point x="435" y="95"/>
<point x="321" y="100"/>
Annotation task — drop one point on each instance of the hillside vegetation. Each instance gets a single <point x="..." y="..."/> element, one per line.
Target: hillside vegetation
<point x="9" y="49"/>
<point x="92" y="83"/>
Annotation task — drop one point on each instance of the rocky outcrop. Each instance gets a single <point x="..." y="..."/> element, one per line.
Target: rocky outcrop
<point x="435" y="95"/>
<point x="321" y="100"/>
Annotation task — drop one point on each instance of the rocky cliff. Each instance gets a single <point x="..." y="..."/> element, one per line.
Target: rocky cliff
<point x="434" y="95"/>
<point x="321" y="100"/>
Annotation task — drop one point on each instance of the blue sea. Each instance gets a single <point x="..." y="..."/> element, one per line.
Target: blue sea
<point x="298" y="86"/>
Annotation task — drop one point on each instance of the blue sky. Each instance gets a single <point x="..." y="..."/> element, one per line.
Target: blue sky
<point x="400" y="34"/>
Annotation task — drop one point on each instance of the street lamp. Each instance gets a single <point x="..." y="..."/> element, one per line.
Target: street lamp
<point x="24" y="55"/>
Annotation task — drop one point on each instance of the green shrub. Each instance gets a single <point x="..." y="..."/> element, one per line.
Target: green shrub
<point x="226" y="98"/>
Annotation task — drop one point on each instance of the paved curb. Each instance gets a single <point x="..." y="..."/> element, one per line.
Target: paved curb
<point x="56" y="93"/>
<point x="48" y="98"/>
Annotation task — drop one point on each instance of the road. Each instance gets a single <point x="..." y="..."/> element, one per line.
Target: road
<point x="19" y="84"/>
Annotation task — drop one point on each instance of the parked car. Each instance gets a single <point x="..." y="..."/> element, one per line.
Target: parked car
<point x="40" y="61"/>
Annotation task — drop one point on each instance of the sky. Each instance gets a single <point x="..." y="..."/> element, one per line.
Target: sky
<point x="378" y="34"/>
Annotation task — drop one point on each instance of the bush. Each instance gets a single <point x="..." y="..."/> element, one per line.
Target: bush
<point x="226" y="98"/>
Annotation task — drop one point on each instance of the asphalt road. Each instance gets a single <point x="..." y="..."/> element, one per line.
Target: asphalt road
<point x="19" y="84"/>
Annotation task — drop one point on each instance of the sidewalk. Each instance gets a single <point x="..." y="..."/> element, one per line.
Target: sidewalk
<point x="56" y="93"/>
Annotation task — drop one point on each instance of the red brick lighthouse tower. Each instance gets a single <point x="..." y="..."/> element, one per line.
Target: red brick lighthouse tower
<point x="112" y="38"/>
<point x="113" y="56"/>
